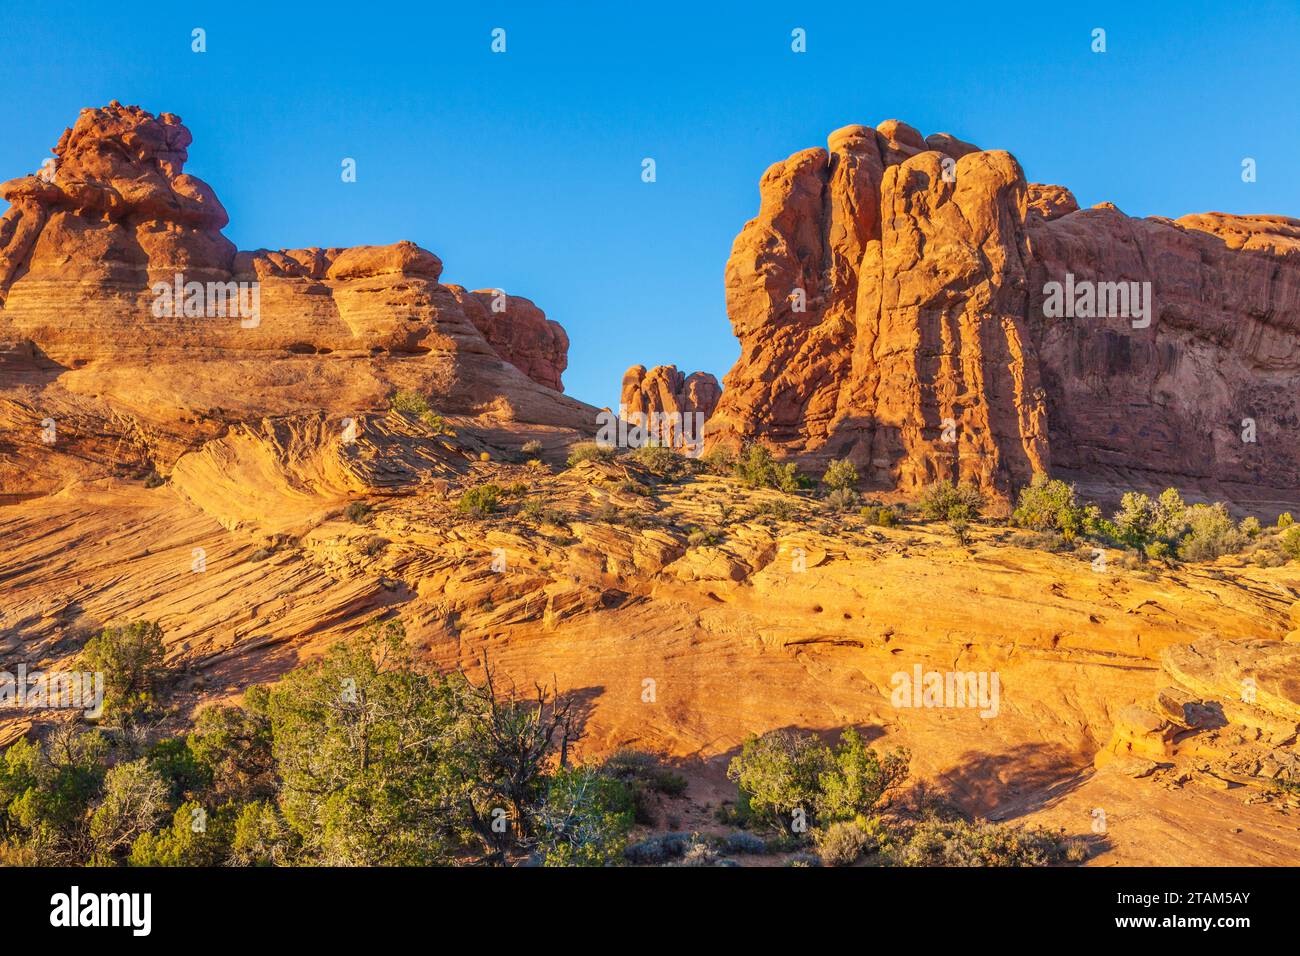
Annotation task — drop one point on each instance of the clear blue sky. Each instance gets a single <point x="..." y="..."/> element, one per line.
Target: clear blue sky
<point x="522" y="170"/>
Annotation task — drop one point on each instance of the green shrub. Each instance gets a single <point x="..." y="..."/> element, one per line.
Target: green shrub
<point x="1211" y="532"/>
<point x="1171" y="515"/>
<point x="643" y="774"/>
<point x="535" y="509"/>
<point x="480" y="501"/>
<point x="46" y="791"/>
<point x="1039" y="540"/>
<point x="661" y="461"/>
<point x="531" y="448"/>
<point x="1157" y="550"/>
<point x="842" y="499"/>
<point x="131" y="659"/>
<point x="856" y="779"/>
<point x="366" y="750"/>
<point x="881" y="515"/>
<point x="586" y="818"/>
<point x="154" y="480"/>
<point x="840" y="474"/>
<point x="589" y="451"/>
<point x="1166" y="527"/>
<point x="357" y="512"/>
<point x="781" y="772"/>
<point x="1284" y="520"/>
<point x="1050" y="506"/>
<point x="842" y="843"/>
<point x="959" y="843"/>
<point x="756" y="468"/>
<point x="411" y="403"/>
<point x="960" y="529"/>
<point x="645" y="770"/>
<point x="629" y="487"/>
<point x="719" y="461"/>
<point x="781" y="510"/>
<point x="1140" y="520"/>
<point x="195" y="838"/>
<point x="1268" y="554"/>
<point x="1290" y="542"/>
<point x="358" y="758"/>
<point x="180" y="767"/>
<point x="414" y="405"/>
<point x="134" y="800"/>
<point x="234" y="745"/>
<point x="262" y="837"/>
<point x="942" y="501"/>
<point x="1135" y="519"/>
<point x="700" y="538"/>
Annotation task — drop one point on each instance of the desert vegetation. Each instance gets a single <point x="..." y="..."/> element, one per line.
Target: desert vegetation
<point x="830" y="806"/>
<point x="363" y="757"/>
<point x="360" y="758"/>
<point x="414" y="405"/>
<point x="1050" y="516"/>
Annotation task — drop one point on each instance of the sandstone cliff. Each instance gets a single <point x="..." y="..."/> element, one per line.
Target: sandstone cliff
<point x="890" y="303"/>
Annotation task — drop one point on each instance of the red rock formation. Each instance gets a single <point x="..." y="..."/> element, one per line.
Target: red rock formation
<point x="668" y="393"/>
<point x="1050" y="202"/>
<point x="520" y="332"/>
<point x="91" y="252"/>
<point x="114" y="204"/>
<point x="890" y="302"/>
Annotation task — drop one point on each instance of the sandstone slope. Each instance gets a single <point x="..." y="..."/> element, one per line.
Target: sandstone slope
<point x="780" y="617"/>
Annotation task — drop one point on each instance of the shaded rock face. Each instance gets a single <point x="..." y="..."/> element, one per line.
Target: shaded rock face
<point x="1218" y="363"/>
<point x="120" y="297"/>
<point x="890" y="300"/>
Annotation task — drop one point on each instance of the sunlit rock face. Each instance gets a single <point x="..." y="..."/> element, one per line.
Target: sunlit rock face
<point x="143" y="329"/>
<point x="893" y="301"/>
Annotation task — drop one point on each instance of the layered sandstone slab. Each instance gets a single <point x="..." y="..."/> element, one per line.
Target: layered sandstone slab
<point x="803" y="621"/>
<point x="891" y="303"/>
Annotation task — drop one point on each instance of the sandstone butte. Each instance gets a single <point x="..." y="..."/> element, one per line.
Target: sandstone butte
<point x="923" y="265"/>
<point x="338" y="331"/>
<point x="193" y="471"/>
